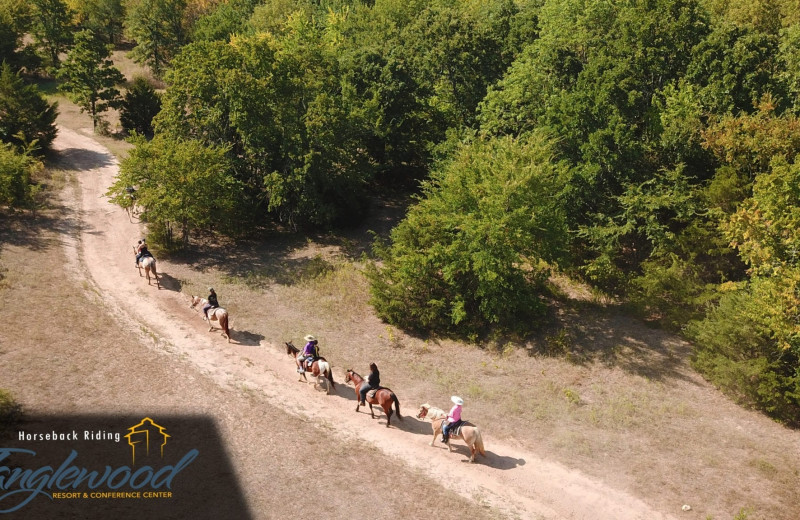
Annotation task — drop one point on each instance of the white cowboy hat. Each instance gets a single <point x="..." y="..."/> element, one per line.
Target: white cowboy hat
<point x="310" y="338"/>
<point x="457" y="400"/>
<point x="210" y="289"/>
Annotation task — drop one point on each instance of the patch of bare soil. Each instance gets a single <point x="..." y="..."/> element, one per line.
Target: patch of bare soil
<point x="510" y="480"/>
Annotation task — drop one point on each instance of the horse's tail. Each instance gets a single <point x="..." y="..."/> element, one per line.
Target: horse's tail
<point x="479" y="442"/>
<point x="396" y="406"/>
<point x="325" y="368"/>
<point x="223" y="323"/>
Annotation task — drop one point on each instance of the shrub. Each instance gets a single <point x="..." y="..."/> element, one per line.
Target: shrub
<point x="473" y="252"/>
<point x="737" y="350"/>
<point x="139" y="106"/>
<point x="16" y="187"/>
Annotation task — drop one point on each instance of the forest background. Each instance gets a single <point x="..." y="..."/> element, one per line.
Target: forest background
<point x="646" y="148"/>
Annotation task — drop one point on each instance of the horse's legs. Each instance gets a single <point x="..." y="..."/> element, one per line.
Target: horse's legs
<point x="388" y="414"/>
<point x="436" y="433"/>
<point x="370" y="410"/>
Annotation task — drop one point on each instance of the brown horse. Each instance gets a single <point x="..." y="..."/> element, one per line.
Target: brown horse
<point x="148" y="263"/>
<point x="216" y="314"/>
<point x="384" y="397"/>
<point x="320" y="368"/>
<point x="468" y="433"/>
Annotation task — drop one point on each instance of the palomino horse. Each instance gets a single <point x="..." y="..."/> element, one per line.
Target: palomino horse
<point x="468" y="433"/>
<point x="215" y="314"/>
<point x="320" y="368"/>
<point x="383" y="397"/>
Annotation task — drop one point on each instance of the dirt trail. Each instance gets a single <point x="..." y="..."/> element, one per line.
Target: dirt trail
<point x="514" y="482"/>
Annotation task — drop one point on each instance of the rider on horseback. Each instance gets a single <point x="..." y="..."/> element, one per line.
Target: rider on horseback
<point x="212" y="302"/>
<point x="453" y="418"/>
<point x="372" y="383"/>
<point x="309" y="352"/>
<point x="141" y="251"/>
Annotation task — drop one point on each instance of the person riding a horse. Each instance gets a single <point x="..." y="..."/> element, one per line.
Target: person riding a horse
<point x="372" y="383"/>
<point x="453" y="418"/>
<point x="141" y="251"/>
<point x="309" y="353"/>
<point x="212" y="302"/>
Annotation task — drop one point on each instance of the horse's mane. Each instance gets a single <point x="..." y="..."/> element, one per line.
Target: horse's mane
<point x="433" y="412"/>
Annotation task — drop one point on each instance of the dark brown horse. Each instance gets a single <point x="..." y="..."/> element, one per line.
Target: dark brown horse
<point x="319" y="368"/>
<point x="384" y="397"/>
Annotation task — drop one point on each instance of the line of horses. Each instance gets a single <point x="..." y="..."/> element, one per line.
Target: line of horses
<point x="320" y="368"/>
<point x="216" y="314"/>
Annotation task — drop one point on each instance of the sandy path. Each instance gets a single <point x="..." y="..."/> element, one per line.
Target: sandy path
<point x="509" y="480"/>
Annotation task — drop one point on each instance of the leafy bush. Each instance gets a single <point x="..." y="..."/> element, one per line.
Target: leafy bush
<point x="473" y="252"/>
<point x="139" y="106"/>
<point x="16" y="188"/>
<point x="736" y="349"/>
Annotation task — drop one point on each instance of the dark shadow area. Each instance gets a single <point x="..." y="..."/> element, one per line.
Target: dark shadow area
<point x="25" y="229"/>
<point x="272" y="256"/>
<point x="417" y="426"/>
<point x="584" y="333"/>
<point x="169" y="283"/>
<point x="138" y="467"/>
<point x="246" y="338"/>
<point x="79" y="159"/>
<point x="496" y="461"/>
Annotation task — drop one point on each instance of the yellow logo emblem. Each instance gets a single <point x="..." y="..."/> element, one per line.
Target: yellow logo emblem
<point x="140" y="436"/>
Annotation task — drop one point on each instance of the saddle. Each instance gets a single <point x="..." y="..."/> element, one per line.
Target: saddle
<point x="455" y="428"/>
<point x="371" y="393"/>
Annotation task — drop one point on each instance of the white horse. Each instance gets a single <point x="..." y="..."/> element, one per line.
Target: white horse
<point x="148" y="263"/>
<point x="216" y="314"/>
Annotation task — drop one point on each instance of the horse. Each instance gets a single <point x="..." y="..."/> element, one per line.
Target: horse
<point x="149" y="264"/>
<point x="468" y="433"/>
<point x="384" y="397"/>
<point x="320" y="368"/>
<point x="215" y="314"/>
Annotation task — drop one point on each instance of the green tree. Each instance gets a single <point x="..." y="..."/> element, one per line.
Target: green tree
<point x="157" y="27"/>
<point x="16" y="172"/>
<point x="89" y="76"/>
<point x="181" y="186"/>
<point x="15" y="19"/>
<point x="734" y="67"/>
<point x="26" y="118"/>
<point x="139" y="106"/>
<point x="226" y="19"/>
<point x="103" y="17"/>
<point x="52" y="28"/>
<point x="473" y="252"/>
